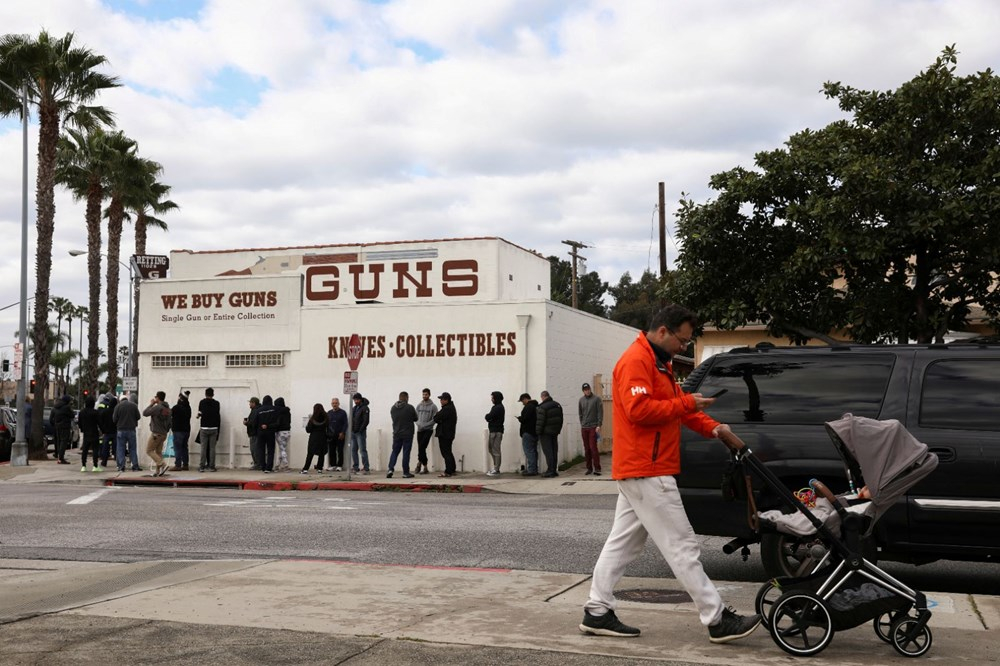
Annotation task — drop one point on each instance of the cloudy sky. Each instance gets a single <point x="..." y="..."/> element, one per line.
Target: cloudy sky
<point x="302" y="122"/>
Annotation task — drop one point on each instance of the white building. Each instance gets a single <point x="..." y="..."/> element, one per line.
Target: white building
<point x="467" y="316"/>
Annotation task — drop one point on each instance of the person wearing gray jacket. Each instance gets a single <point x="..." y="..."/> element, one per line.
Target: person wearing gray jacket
<point x="126" y="417"/>
<point x="591" y="410"/>
<point x="158" y="412"/>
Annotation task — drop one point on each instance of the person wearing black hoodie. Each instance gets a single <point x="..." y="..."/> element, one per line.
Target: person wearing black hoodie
<point x="360" y="415"/>
<point x="208" y="433"/>
<point x="106" y="422"/>
<point x="548" y="425"/>
<point x="403" y="417"/>
<point x="447" y="422"/>
<point x="494" y="422"/>
<point x="529" y="440"/>
<point x="62" y="421"/>
<point x="267" y="425"/>
<point x="282" y="433"/>
<point x="180" y="425"/>
<point x="90" y="432"/>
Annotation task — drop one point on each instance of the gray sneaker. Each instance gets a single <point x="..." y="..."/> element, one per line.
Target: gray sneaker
<point x="732" y="626"/>
<point x="606" y="625"/>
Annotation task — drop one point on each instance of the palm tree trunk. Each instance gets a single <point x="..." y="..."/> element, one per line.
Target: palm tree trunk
<point x="48" y="135"/>
<point x="116" y="215"/>
<point x="94" y="196"/>
<point x="140" y="248"/>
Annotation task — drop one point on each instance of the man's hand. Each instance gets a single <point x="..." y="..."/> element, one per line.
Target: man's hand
<point x="701" y="402"/>
<point x="722" y="427"/>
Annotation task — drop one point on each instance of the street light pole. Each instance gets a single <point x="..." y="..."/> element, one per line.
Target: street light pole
<point x="19" y="450"/>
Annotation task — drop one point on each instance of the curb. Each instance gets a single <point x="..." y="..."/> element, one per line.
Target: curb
<point x="280" y="486"/>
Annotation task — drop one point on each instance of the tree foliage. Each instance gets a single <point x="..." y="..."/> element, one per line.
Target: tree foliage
<point x="885" y="223"/>
<point x="636" y="302"/>
<point x="590" y="289"/>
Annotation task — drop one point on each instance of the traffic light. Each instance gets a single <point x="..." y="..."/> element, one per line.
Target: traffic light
<point x="6" y="365"/>
<point x="32" y="385"/>
<point x="86" y="393"/>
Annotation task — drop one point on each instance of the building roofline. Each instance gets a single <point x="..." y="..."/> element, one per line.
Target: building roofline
<point x="359" y="245"/>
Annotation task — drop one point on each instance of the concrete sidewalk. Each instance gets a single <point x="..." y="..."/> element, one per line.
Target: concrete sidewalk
<point x="282" y="611"/>
<point x="572" y="481"/>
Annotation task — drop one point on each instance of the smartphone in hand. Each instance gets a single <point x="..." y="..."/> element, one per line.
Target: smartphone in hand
<point x="718" y="393"/>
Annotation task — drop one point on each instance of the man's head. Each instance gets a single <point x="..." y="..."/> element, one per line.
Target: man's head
<point x="672" y="329"/>
<point x="445" y="397"/>
<point x="524" y="399"/>
<point x="426" y="394"/>
<point x="356" y="398"/>
<point x="404" y="396"/>
<point x="161" y="396"/>
<point x="335" y="403"/>
<point x="209" y="392"/>
<point x="586" y="389"/>
<point x="544" y="395"/>
<point x="254" y="403"/>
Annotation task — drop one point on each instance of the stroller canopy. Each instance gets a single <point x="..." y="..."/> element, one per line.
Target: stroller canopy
<point x="890" y="458"/>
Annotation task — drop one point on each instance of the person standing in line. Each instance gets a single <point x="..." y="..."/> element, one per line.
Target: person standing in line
<point x="548" y="425"/>
<point x="282" y="433"/>
<point x="267" y="421"/>
<point x="158" y="412"/>
<point x="591" y="410"/>
<point x="180" y="424"/>
<point x="529" y="440"/>
<point x="106" y="422"/>
<point x="208" y="432"/>
<point x="250" y="421"/>
<point x="649" y="409"/>
<point x="426" y="409"/>
<point x="316" y="426"/>
<point x="447" y="422"/>
<point x="360" y="415"/>
<point x="126" y="417"/>
<point x="403" y="417"/>
<point x="494" y="422"/>
<point x="62" y="420"/>
<point x="90" y="432"/>
<point x="336" y="435"/>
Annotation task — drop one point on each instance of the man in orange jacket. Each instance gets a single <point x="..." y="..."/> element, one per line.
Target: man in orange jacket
<point x="649" y="409"/>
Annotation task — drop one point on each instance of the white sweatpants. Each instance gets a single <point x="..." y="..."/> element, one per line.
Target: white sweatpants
<point x="652" y="506"/>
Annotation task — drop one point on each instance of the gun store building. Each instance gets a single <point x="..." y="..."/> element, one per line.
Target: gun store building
<point x="466" y="316"/>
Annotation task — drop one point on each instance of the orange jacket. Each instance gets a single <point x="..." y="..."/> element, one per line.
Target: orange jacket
<point x="649" y="408"/>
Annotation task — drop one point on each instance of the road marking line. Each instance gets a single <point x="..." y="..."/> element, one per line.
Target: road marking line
<point x="87" y="499"/>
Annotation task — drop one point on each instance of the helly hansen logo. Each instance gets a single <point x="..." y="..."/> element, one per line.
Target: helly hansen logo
<point x="636" y="390"/>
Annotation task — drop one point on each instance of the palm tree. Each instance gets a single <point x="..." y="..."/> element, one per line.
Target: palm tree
<point x="146" y="202"/>
<point x="85" y="162"/>
<point x="123" y="178"/>
<point x="61" y="80"/>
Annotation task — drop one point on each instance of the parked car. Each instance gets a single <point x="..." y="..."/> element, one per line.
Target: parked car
<point x="778" y="399"/>
<point x="8" y="423"/>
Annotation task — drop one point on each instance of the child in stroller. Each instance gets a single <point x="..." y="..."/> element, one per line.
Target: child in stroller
<point x="844" y="589"/>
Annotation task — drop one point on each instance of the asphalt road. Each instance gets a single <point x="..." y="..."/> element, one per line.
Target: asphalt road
<point x="535" y="532"/>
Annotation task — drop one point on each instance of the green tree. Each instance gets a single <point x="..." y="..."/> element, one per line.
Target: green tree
<point x="62" y="79"/>
<point x="885" y="223"/>
<point x="590" y="290"/>
<point x="636" y="302"/>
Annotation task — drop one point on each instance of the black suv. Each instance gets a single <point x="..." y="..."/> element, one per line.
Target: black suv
<point x="778" y="399"/>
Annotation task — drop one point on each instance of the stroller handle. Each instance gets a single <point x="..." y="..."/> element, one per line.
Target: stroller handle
<point x="732" y="442"/>
<point x="825" y="492"/>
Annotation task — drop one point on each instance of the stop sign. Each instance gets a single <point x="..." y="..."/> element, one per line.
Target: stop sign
<point x="354" y="351"/>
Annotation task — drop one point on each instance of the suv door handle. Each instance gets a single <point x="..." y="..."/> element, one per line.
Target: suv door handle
<point x="944" y="454"/>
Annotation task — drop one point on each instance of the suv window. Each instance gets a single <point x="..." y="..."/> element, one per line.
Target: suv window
<point x="798" y="389"/>
<point x="961" y="394"/>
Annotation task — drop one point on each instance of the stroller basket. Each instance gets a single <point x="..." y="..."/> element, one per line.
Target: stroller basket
<point x="858" y="602"/>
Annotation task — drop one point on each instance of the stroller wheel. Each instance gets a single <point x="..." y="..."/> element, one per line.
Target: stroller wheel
<point x="801" y="624"/>
<point x="764" y="603"/>
<point x="883" y="625"/>
<point x="907" y="639"/>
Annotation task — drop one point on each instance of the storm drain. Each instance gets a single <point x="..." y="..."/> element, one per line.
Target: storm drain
<point x="654" y="596"/>
<point x="37" y="600"/>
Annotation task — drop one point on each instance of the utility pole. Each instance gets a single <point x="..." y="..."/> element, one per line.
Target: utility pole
<point x="576" y="245"/>
<point x="663" y="232"/>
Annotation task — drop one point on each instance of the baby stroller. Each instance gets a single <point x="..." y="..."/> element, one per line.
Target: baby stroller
<point x="845" y="590"/>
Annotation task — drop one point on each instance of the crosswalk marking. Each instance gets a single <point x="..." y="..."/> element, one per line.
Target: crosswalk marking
<point x="90" y="497"/>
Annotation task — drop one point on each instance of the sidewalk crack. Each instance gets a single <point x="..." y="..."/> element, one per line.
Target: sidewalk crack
<point x="360" y="652"/>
